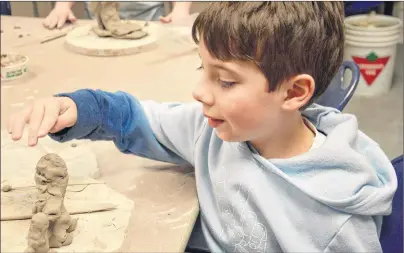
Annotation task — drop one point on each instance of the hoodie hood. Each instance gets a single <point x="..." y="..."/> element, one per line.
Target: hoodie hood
<point x="349" y="172"/>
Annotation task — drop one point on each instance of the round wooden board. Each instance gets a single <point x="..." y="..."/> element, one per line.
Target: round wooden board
<point x="83" y="40"/>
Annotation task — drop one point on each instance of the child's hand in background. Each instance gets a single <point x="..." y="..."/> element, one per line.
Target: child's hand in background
<point x="49" y="115"/>
<point x="59" y="15"/>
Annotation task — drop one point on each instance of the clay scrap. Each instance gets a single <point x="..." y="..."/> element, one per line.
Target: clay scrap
<point x="109" y="24"/>
<point x="51" y="224"/>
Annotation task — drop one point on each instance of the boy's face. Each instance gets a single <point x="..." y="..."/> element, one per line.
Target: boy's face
<point x="236" y="100"/>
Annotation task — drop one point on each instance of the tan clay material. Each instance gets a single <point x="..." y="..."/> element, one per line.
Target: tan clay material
<point x="96" y="231"/>
<point x="164" y="196"/>
<point x="8" y="187"/>
<point x="76" y="207"/>
<point x="17" y="172"/>
<point x="84" y="40"/>
<point x="109" y="23"/>
<point x="52" y="179"/>
<point x="38" y="239"/>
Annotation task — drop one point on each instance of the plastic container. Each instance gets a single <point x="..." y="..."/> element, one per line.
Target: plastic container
<point x="14" y="71"/>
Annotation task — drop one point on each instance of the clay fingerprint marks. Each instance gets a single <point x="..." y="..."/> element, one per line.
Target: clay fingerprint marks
<point x="109" y="23"/>
<point x="51" y="178"/>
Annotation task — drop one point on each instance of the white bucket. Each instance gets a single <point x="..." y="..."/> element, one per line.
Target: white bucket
<point x="373" y="48"/>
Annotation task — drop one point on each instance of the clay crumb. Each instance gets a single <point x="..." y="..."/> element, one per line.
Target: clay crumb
<point x="20" y="36"/>
<point x="6" y="188"/>
<point x="17" y="27"/>
<point x="74" y="145"/>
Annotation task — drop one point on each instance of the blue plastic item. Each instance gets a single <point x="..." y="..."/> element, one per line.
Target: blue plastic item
<point x="337" y="95"/>
<point x="391" y="236"/>
<point x="5" y="8"/>
<point x="360" y="7"/>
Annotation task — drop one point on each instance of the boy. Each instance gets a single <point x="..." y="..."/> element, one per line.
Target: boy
<point x="270" y="177"/>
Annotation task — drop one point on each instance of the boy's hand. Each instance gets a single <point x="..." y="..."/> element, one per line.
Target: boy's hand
<point x="49" y="115"/>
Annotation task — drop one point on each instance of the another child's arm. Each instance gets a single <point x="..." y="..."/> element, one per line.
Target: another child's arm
<point x="157" y="131"/>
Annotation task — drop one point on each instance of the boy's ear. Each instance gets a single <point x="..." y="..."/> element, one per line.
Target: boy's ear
<point x="298" y="92"/>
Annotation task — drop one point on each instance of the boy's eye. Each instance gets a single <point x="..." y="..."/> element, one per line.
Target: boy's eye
<point x="226" y="84"/>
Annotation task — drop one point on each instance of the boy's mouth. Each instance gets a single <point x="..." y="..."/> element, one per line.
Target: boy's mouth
<point x="213" y="122"/>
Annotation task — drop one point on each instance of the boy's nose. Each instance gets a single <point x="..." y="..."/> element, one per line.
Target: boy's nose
<point x="202" y="94"/>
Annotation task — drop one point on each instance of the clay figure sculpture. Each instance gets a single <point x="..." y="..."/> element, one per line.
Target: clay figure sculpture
<point x="109" y="23"/>
<point x="51" y="180"/>
<point x="38" y="239"/>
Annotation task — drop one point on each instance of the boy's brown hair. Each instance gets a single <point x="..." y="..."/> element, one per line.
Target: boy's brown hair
<point x="283" y="39"/>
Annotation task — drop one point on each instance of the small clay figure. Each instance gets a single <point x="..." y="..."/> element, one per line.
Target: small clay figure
<point x="38" y="239"/>
<point x="109" y="23"/>
<point x="51" y="180"/>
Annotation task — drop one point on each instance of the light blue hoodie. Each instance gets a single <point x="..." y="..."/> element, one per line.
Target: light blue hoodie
<point x="330" y="199"/>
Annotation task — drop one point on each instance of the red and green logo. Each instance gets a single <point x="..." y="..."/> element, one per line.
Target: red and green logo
<point x="371" y="66"/>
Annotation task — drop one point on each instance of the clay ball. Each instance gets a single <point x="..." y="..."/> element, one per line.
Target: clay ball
<point x="6" y="188"/>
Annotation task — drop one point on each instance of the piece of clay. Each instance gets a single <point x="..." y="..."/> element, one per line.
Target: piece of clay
<point x="74" y="145"/>
<point x="51" y="179"/>
<point x="17" y="27"/>
<point x="6" y="188"/>
<point x="109" y="23"/>
<point x="20" y="36"/>
<point x="38" y="239"/>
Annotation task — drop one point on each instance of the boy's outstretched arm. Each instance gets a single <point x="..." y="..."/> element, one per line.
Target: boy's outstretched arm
<point x="164" y="132"/>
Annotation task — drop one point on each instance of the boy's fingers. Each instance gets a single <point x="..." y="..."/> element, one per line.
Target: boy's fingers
<point x="71" y="17"/>
<point x="52" y="22"/>
<point x="61" y="21"/>
<point x="166" y="19"/>
<point x="51" y="114"/>
<point x="63" y="121"/>
<point x="35" y="122"/>
<point x="10" y="124"/>
<point x="18" y="123"/>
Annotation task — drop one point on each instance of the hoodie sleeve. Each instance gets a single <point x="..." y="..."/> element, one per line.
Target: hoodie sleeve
<point x="163" y="132"/>
<point x="358" y="234"/>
